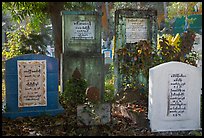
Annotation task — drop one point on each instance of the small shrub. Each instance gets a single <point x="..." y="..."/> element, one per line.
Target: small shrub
<point x="74" y="91"/>
<point x="135" y="59"/>
<point x="178" y="50"/>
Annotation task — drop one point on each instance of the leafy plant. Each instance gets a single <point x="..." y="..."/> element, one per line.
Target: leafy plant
<point x="109" y="92"/>
<point x="136" y="59"/>
<point x="34" y="43"/>
<point x="74" y="91"/>
<point x="23" y="41"/>
<point x="134" y="62"/>
<point x="166" y="50"/>
<point x="91" y="108"/>
<point x="181" y="51"/>
<point x="12" y="47"/>
<point x="109" y="85"/>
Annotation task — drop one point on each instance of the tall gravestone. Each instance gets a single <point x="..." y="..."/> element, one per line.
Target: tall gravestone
<point x="81" y="39"/>
<point x="32" y="86"/>
<point x="174" y="97"/>
<point x="132" y="26"/>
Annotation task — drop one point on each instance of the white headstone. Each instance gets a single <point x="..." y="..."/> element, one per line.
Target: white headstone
<point x="174" y="97"/>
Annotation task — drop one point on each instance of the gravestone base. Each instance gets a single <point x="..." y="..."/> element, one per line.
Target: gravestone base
<point x="101" y="114"/>
<point x="52" y="112"/>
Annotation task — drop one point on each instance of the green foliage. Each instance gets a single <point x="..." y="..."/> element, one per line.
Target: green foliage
<point x="80" y="6"/>
<point x="12" y="47"/>
<point x="183" y="52"/>
<point x="196" y="133"/>
<point x="123" y="5"/>
<point x="167" y="51"/>
<point x="109" y="92"/>
<point x="91" y="108"/>
<point x="134" y="62"/>
<point x="20" y="10"/>
<point x="23" y="41"/>
<point x="38" y="12"/>
<point x="109" y="85"/>
<point x="74" y="91"/>
<point x="35" y="42"/>
<point x="178" y="9"/>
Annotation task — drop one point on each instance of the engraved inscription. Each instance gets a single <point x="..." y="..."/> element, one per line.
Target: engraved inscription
<point x="136" y="29"/>
<point x="32" y="83"/>
<point x="177" y="96"/>
<point x="82" y="30"/>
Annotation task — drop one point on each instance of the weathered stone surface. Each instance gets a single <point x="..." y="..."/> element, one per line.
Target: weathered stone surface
<point x="96" y="115"/>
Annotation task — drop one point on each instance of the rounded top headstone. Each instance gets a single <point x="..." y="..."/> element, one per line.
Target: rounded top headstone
<point x="92" y="94"/>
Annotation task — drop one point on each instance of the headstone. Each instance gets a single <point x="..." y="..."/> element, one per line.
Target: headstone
<point x="93" y="94"/>
<point x="32" y="86"/>
<point x="132" y="25"/>
<point x="81" y="39"/>
<point x="97" y="115"/>
<point x="174" y="97"/>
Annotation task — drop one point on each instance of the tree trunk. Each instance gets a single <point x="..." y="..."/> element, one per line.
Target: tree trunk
<point x="54" y="9"/>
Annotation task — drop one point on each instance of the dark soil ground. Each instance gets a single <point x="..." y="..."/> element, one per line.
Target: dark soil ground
<point x="128" y="118"/>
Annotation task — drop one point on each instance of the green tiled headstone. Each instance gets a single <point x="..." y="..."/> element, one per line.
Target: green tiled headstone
<point x="81" y="38"/>
<point x="131" y="26"/>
